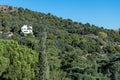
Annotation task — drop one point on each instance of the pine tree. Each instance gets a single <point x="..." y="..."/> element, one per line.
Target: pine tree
<point x="43" y="73"/>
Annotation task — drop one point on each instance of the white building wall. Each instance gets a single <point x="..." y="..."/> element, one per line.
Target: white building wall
<point x="25" y="29"/>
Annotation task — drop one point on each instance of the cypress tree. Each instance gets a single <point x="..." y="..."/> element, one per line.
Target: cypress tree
<point x="119" y="30"/>
<point x="43" y="73"/>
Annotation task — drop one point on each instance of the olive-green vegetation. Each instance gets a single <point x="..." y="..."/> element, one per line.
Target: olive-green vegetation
<point x="72" y="50"/>
<point x="43" y="73"/>
<point x="16" y="62"/>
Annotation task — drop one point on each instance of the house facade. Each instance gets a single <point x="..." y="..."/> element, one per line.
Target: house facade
<point x="26" y="29"/>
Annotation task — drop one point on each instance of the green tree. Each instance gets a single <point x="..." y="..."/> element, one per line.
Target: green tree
<point x="102" y="34"/>
<point x="43" y="73"/>
<point x="16" y="62"/>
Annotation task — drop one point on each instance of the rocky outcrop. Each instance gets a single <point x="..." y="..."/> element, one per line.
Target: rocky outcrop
<point x="6" y="8"/>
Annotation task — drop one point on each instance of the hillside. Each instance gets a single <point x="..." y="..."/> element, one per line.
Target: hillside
<point x="75" y="51"/>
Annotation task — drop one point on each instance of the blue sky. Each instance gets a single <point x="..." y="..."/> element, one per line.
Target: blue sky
<point x="103" y="13"/>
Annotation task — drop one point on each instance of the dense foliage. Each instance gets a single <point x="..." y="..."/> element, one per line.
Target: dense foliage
<point x="75" y="51"/>
<point x="16" y="62"/>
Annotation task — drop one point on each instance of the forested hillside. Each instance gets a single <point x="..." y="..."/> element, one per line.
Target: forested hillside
<point x="75" y="51"/>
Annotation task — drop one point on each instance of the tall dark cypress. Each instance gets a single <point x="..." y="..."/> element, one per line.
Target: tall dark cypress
<point x="119" y="30"/>
<point x="43" y="73"/>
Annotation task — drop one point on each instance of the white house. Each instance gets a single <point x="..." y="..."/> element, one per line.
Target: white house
<point x="26" y="29"/>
